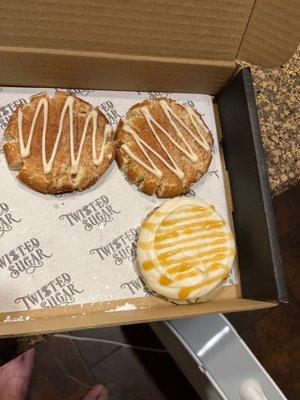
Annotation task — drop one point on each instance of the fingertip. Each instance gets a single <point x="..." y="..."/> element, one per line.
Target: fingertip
<point x="98" y="392"/>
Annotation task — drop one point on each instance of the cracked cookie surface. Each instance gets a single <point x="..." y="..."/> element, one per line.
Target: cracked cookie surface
<point x="163" y="146"/>
<point x="58" y="144"/>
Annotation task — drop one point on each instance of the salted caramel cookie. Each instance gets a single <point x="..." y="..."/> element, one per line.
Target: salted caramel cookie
<point x="58" y="144"/>
<point x="185" y="250"/>
<point x="163" y="146"/>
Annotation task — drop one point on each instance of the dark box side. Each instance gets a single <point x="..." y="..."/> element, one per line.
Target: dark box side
<point x="259" y="255"/>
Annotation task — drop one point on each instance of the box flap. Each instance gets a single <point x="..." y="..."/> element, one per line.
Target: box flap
<point x="59" y="319"/>
<point x="167" y="45"/>
<point x="90" y="70"/>
<point x="170" y="28"/>
<point x="263" y="32"/>
<point x="272" y="34"/>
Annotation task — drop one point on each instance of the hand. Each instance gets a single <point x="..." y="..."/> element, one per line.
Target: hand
<point x="15" y="377"/>
<point x="98" y="392"/>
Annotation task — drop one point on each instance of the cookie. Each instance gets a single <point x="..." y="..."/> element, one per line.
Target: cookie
<point x="185" y="250"/>
<point x="163" y="146"/>
<point x="58" y="144"/>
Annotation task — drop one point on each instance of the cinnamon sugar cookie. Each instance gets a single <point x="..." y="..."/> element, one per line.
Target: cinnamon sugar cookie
<point x="58" y="144"/>
<point x="163" y="146"/>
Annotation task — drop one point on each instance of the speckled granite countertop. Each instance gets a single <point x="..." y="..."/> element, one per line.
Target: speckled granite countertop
<point x="277" y="93"/>
<point x="277" y="97"/>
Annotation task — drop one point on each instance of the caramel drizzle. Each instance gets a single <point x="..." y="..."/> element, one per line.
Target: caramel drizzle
<point x="187" y="290"/>
<point x="159" y="245"/>
<point x="184" y="219"/>
<point x="214" y="235"/>
<point x="189" y="229"/>
<point x="75" y="160"/>
<point x="187" y="150"/>
<point x="190" y="266"/>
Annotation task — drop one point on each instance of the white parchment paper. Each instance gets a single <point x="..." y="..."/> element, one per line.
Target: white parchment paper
<point x="80" y="247"/>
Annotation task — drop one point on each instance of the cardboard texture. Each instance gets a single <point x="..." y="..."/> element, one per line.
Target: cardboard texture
<point x="179" y="46"/>
<point x="88" y="316"/>
<point x="180" y="29"/>
<point x="272" y="34"/>
<point x="88" y="70"/>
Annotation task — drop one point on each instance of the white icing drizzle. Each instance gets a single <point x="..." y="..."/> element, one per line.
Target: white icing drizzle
<point x="75" y="160"/>
<point x="187" y="151"/>
<point x="141" y="143"/>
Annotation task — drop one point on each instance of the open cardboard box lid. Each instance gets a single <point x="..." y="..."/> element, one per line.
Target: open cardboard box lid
<point x="170" y="45"/>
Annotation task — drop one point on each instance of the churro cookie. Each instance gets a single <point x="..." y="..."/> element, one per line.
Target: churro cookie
<point x="163" y="146"/>
<point x="58" y="144"/>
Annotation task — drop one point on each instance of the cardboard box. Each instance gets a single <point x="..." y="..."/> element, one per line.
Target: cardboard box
<point x="178" y="46"/>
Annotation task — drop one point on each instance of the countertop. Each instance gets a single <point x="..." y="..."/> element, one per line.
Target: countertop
<point x="277" y="93"/>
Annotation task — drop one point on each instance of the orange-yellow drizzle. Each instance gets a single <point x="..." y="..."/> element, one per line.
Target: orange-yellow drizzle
<point x="219" y="256"/>
<point x="165" y="236"/>
<point x="193" y="208"/>
<point x="162" y="245"/>
<point x="186" y="291"/>
<point x="196" y="228"/>
<point x="184" y="275"/>
<point x="164" y="280"/>
<point x="182" y="267"/>
<point x="148" y="265"/>
<point x="148" y="225"/>
<point x="217" y="265"/>
<point x="187" y="229"/>
<point x="170" y="222"/>
<point x="164" y="257"/>
<point x="194" y="247"/>
<point x="144" y="245"/>
<point x="158" y="212"/>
